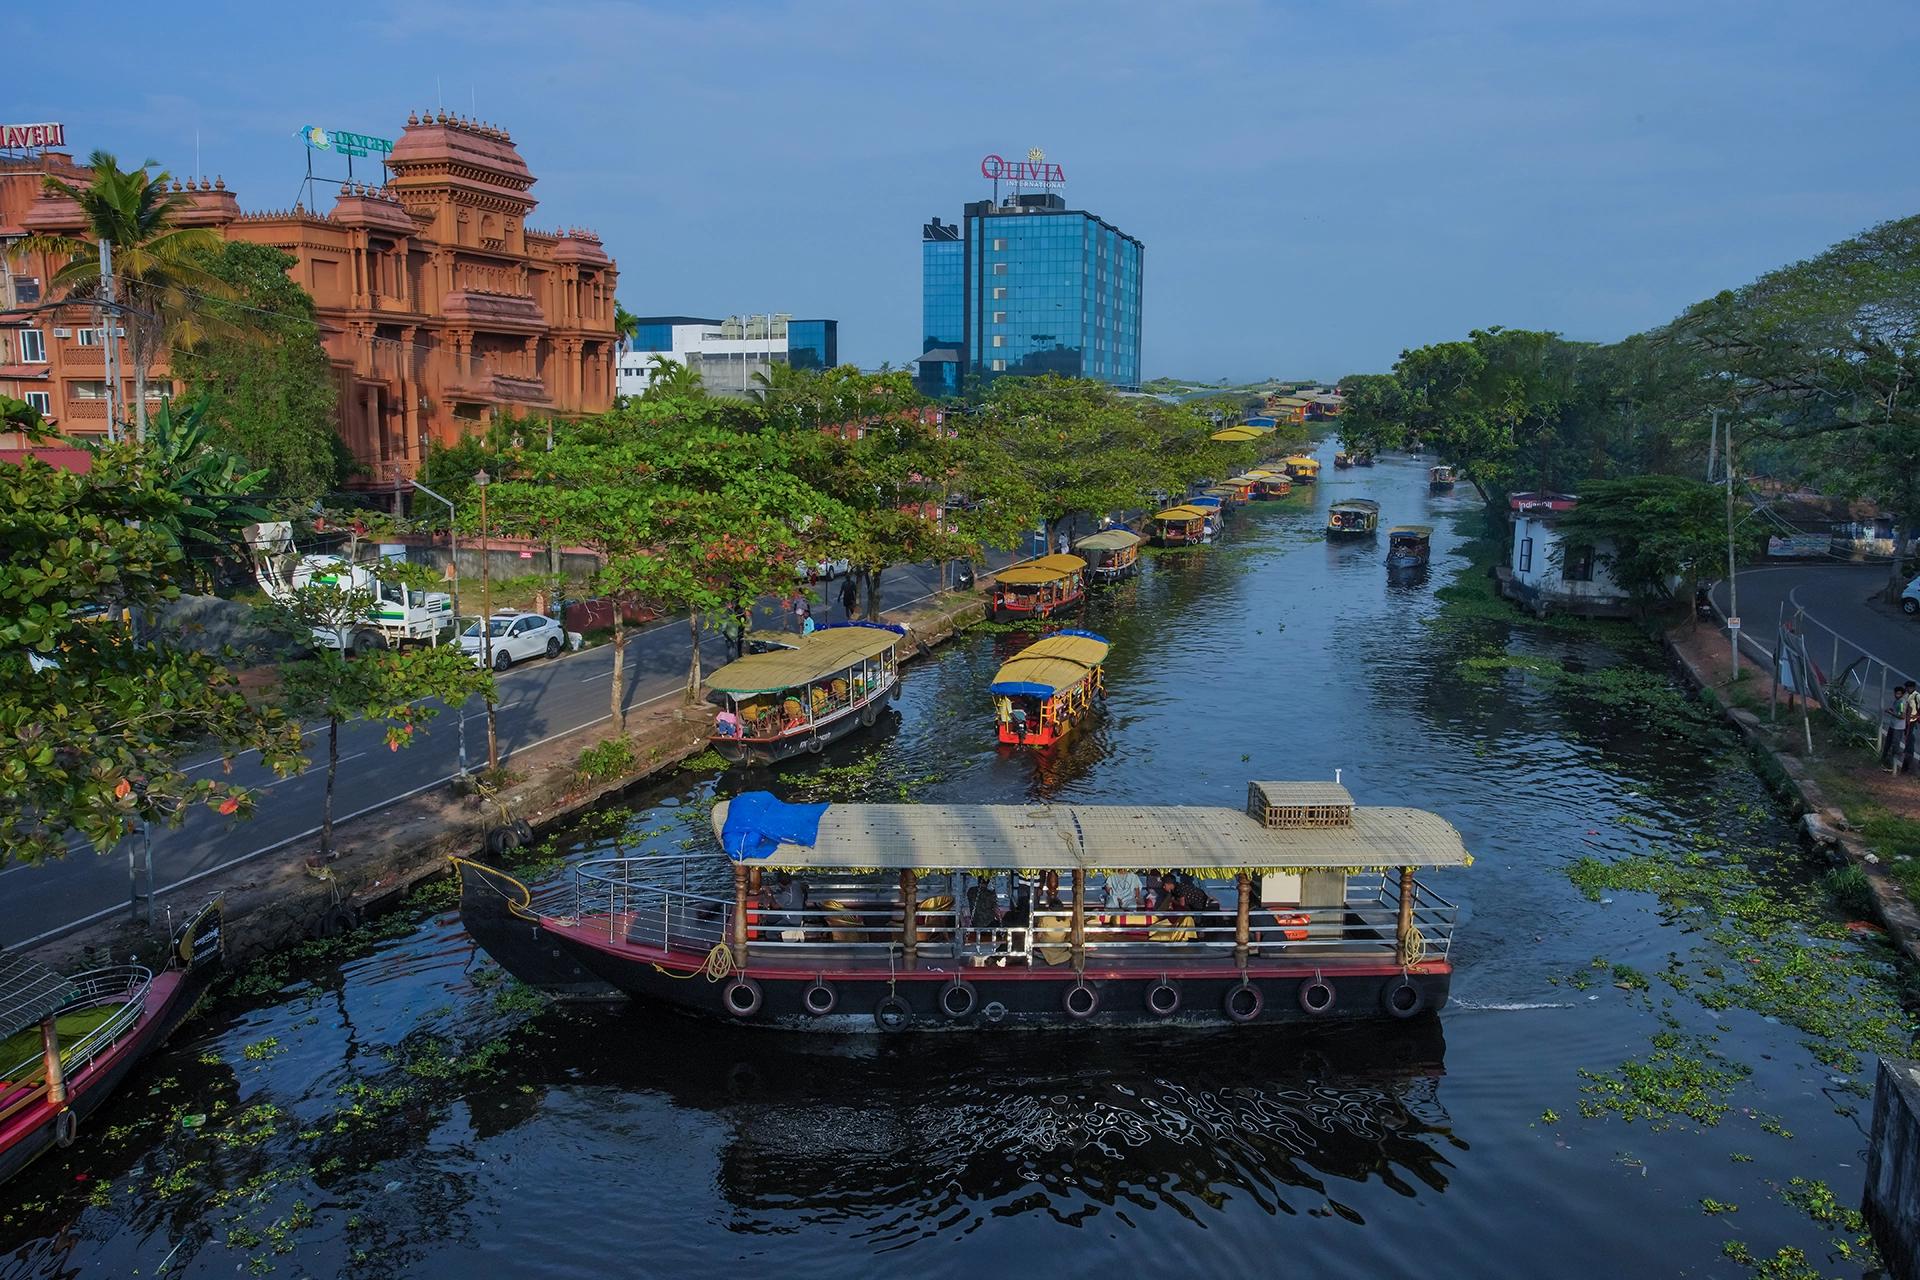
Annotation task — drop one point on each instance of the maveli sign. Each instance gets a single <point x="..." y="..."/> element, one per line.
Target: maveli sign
<point x="341" y="142"/>
<point x="32" y="137"/>
<point x="1035" y="168"/>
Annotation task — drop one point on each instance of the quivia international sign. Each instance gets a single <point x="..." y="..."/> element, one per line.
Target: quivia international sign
<point x="1035" y="168"/>
<point x="342" y="143"/>
<point x="32" y="137"/>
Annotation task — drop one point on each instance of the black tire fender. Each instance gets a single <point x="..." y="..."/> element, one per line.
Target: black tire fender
<point x="523" y="831"/>
<point x="1163" y="999"/>
<point x="66" y="1126"/>
<point x="819" y="999"/>
<point x="1080" y="1001"/>
<point x="1244" y="1002"/>
<point x="338" y="919"/>
<point x="1316" y="996"/>
<point x="893" y="1013"/>
<point x="741" y="997"/>
<point x="958" y="999"/>
<point x="1403" y="999"/>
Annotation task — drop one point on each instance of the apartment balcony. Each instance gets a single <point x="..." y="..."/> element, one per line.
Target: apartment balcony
<point x="496" y="379"/>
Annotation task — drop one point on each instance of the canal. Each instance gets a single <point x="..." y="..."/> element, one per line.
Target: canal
<point x="1656" y="1059"/>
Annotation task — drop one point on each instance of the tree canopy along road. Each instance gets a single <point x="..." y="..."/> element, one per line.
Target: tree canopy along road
<point x="1844" y="597"/>
<point x="538" y="701"/>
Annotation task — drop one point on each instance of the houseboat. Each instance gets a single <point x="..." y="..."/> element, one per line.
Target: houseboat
<point x="1215" y="504"/>
<point x="67" y="1042"/>
<point x="784" y="702"/>
<point x="888" y="917"/>
<point x="1440" y="477"/>
<point x="1353" y="518"/>
<point x="1045" y="691"/>
<point x="1038" y="589"/>
<point x="1273" y="485"/>
<point x="1239" y="489"/>
<point x="1181" y="526"/>
<point x="1111" y="554"/>
<point x="1409" y="546"/>
<point x="1342" y="461"/>
<point x="1302" y="469"/>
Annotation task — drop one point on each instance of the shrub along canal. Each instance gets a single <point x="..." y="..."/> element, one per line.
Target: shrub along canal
<point x="1657" y="1057"/>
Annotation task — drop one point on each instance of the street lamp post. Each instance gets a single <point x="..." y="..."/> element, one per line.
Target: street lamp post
<point x="453" y="555"/>
<point x="480" y="481"/>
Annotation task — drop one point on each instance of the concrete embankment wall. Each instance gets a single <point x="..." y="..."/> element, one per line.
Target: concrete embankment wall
<point x="1893" y="1168"/>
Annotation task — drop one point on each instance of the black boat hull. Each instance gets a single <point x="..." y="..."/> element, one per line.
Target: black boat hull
<point x="735" y="751"/>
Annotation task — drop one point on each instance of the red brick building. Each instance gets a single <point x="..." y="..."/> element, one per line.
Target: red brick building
<point x="440" y="307"/>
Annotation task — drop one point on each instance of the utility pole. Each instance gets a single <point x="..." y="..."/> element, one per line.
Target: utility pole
<point x="453" y="556"/>
<point x="1733" y="582"/>
<point x="110" y="324"/>
<point x="480" y="481"/>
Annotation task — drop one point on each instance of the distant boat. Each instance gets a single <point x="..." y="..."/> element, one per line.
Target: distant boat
<point x="1343" y="460"/>
<point x="1038" y="589"/>
<point x="1353" y="518"/>
<point x="1111" y="554"/>
<point x="1440" y="478"/>
<point x="1408" y="546"/>
<point x="1049" y="688"/>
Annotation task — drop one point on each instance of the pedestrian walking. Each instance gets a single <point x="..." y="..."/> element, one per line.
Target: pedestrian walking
<point x="1911" y="708"/>
<point x="849" y="595"/>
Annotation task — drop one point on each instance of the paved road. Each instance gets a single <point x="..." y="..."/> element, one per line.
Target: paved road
<point x="539" y="701"/>
<point x="1839" y="596"/>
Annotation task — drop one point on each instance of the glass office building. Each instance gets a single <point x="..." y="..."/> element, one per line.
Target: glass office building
<point x="813" y="344"/>
<point x="1029" y="286"/>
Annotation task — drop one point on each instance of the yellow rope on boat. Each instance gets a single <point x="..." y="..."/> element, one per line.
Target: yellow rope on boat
<point x="718" y="966"/>
<point x="1414" y="949"/>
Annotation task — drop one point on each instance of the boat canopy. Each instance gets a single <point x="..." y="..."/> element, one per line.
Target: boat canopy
<point x="1180" y="515"/>
<point x="1051" y="568"/>
<point x="1048" y="665"/>
<point x="1090" y="837"/>
<point x="1420" y="531"/>
<point x="1301" y="460"/>
<point x="831" y="649"/>
<point x="29" y="992"/>
<point x="1110" y="540"/>
<point x="1237" y="434"/>
<point x="1356" y="504"/>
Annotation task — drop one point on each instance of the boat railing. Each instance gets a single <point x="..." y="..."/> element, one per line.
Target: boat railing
<point x="649" y="902"/>
<point x="122" y="984"/>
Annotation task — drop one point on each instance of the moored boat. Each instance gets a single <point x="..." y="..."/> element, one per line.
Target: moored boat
<point x="1409" y="546"/>
<point x="1038" y="589"/>
<point x="1342" y="460"/>
<point x="67" y="1043"/>
<point x="1302" y="469"/>
<point x="1353" y="518"/>
<point x="786" y="701"/>
<point x="1273" y="485"/>
<point x="1111" y="554"/>
<point x="1181" y="526"/>
<point x="1049" y="688"/>
<point x="1440" y="477"/>
<point x="884" y="917"/>
<point x="1239" y="488"/>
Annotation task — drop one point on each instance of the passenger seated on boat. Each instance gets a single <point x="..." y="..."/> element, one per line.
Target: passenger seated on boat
<point x="1123" y="891"/>
<point x="793" y="712"/>
<point x="838" y="690"/>
<point x="983" y="909"/>
<point x="726" y="725"/>
<point x="787" y="897"/>
<point x="819" y="698"/>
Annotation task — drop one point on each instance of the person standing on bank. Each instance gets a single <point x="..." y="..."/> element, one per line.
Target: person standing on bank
<point x="1911" y="705"/>
<point x="849" y="595"/>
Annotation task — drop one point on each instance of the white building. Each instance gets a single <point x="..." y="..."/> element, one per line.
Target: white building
<point x="726" y="353"/>
<point x="1546" y="576"/>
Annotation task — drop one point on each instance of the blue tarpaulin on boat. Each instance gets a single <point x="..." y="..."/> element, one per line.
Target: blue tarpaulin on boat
<point x="758" y="823"/>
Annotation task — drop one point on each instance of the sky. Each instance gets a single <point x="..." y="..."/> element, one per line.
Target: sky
<point x="1319" y="185"/>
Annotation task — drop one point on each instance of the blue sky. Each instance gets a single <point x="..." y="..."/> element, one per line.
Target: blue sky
<point x="1318" y="184"/>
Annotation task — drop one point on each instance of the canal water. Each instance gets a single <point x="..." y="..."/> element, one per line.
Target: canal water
<point x="1594" y="1101"/>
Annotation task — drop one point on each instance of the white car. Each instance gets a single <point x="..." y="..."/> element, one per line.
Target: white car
<point x="1910" y="598"/>
<point x="823" y="571"/>
<point x="515" y="637"/>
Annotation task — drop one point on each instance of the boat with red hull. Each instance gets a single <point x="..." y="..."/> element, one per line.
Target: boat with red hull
<point x="858" y="917"/>
<point x="1049" y="688"/>
<point x="66" y="1043"/>
<point x="1038" y="589"/>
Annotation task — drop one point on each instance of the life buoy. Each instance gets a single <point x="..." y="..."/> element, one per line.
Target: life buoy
<point x="65" y="1126"/>
<point x="1402" y="999"/>
<point x="741" y="997"/>
<point x="1293" y="924"/>
<point x="994" y="1012"/>
<point x="816" y="744"/>
<point x="1163" y="999"/>
<point x="1080" y="1001"/>
<point x="893" y="1013"/>
<point x="1244" y="1002"/>
<point x="958" y="999"/>
<point x="819" y="999"/>
<point x="1316" y="996"/>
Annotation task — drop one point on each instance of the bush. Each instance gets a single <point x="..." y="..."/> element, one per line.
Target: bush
<point x="1850" y="891"/>
<point x="607" y="760"/>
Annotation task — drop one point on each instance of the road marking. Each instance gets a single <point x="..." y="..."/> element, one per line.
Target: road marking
<point x="309" y="770"/>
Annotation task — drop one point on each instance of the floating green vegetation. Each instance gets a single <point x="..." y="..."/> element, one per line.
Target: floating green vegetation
<point x="1637" y="694"/>
<point x="708" y="759"/>
<point x="1714" y="1208"/>
<point x="1683" y="1078"/>
<point x="1853" y="1242"/>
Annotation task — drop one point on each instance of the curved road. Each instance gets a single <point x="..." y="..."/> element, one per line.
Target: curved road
<point x="539" y="701"/>
<point x="1842" y="597"/>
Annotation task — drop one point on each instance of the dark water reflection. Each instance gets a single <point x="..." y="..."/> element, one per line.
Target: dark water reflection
<point x="631" y="1141"/>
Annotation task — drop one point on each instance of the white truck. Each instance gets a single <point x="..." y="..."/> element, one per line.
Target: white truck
<point x="399" y="613"/>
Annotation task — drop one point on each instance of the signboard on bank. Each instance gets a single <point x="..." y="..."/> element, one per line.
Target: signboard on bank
<point x="32" y="137"/>
<point x="342" y="143"/>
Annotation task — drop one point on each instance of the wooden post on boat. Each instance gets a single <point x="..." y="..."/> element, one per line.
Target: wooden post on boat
<point x="50" y="1062"/>
<point x="740" y="915"/>
<point x="1079" y="920"/>
<point x="1404" y="934"/>
<point x="753" y="879"/>
<point x="1242" y="909"/>
<point x="910" y="916"/>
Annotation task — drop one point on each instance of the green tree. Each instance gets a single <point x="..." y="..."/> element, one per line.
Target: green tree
<point x="394" y="687"/>
<point x="159" y="274"/>
<point x="671" y="380"/>
<point x="626" y="326"/>
<point x="93" y="723"/>
<point x="1649" y="531"/>
<point x="266" y="382"/>
<point x="218" y="496"/>
<point x="1375" y="416"/>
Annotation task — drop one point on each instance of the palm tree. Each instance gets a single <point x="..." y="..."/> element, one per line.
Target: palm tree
<point x="626" y="326"/>
<point x="157" y="274"/>
<point x="671" y="378"/>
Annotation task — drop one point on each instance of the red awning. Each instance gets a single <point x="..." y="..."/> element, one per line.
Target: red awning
<point x="38" y="372"/>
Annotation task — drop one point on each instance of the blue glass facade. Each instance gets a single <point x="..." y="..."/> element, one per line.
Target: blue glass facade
<point x="1031" y="287"/>
<point x="813" y="344"/>
<point x="652" y="337"/>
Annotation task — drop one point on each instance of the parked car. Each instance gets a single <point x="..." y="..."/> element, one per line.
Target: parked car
<point x="821" y="571"/>
<point x="516" y="636"/>
<point x="1910" y="598"/>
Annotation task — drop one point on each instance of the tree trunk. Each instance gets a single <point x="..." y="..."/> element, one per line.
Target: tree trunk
<point x="617" y="704"/>
<point x="872" y="577"/>
<point x="1898" y="565"/>
<point x="326" y="805"/>
<point x="693" y="666"/>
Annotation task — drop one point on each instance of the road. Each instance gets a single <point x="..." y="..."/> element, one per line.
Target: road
<point x="1839" y="596"/>
<point x="538" y="701"/>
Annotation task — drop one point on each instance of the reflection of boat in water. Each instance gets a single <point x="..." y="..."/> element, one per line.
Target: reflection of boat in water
<point x="67" y="1043"/>
<point x="1353" y="518"/>
<point x="1409" y="546"/>
<point x="799" y="696"/>
<point x="979" y="916"/>
<point x="1045" y="691"/>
